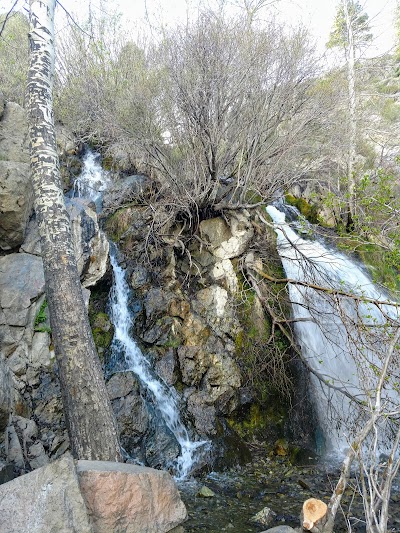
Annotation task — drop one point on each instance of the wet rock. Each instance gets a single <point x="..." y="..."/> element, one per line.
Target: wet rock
<point x="91" y="245"/>
<point x="139" y="277"/>
<point x="203" y="413"/>
<point x="160" y="446"/>
<point x="47" y="499"/>
<point x="6" y="394"/>
<point x="263" y="517"/>
<point x="165" y="367"/>
<point x="157" y="302"/>
<point x="129" y="408"/>
<point x="133" y="499"/>
<point x="205" y="492"/>
<point x="281" y="447"/>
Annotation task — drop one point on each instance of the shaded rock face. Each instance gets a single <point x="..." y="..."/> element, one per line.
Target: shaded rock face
<point x="133" y="499"/>
<point x="6" y="394"/>
<point x="30" y="387"/>
<point x="130" y="410"/>
<point x="16" y="195"/>
<point x="91" y="245"/>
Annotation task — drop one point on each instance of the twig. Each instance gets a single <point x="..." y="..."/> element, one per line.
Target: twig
<point x="7" y="17"/>
<point x="72" y="19"/>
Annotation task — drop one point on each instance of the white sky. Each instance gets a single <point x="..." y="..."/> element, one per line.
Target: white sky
<point x="318" y="15"/>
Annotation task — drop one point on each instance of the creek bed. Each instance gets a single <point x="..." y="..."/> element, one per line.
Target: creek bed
<point x="269" y="482"/>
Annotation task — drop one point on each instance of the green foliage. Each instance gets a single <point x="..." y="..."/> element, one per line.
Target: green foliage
<point x="339" y="37"/>
<point x="41" y="319"/>
<point x="375" y="237"/>
<point x="14" y="57"/>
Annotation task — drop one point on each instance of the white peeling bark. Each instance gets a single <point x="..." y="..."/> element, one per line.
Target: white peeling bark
<point x="351" y="182"/>
<point x="89" y="417"/>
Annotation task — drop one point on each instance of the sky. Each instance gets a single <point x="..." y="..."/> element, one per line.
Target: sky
<point x="141" y="16"/>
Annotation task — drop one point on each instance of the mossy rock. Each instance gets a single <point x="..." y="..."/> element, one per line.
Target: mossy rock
<point x="103" y="332"/>
<point x="257" y="420"/>
<point x="309" y="211"/>
<point x="118" y="223"/>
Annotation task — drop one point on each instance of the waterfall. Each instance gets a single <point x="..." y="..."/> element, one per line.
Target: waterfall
<point x="165" y="397"/>
<point x="90" y="184"/>
<point x="343" y="338"/>
<point x="93" y="180"/>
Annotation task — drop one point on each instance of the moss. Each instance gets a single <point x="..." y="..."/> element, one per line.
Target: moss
<point x="309" y="211"/>
<point x="118" y="223"/>
<point x="174" y="341"/>
<point x="102" y="330"/>
<point x="257" y="419"/>
<point x="107" y="163"/>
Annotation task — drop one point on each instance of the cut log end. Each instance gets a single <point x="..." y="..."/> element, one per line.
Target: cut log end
<point x="313" y="511"/>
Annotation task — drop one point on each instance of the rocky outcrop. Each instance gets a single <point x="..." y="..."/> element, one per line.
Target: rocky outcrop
<point x="14" y="142"/>
<point x="226" y="242"/>
<point x="6" y="394"/>
<point x="133" y="499"/>
<point x="28" y="371"/>
<point x="187" y="329"/>
<point x="48" y="499"/>
<point x="91" y="245"/>
<point x="16" y="196"/>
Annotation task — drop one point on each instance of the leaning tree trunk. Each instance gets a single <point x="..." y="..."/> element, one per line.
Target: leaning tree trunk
<point x="90" y="421"/>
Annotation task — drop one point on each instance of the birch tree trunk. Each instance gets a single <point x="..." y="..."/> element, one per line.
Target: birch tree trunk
<point x="90" y="421"/>
<point x="351" y="184"/>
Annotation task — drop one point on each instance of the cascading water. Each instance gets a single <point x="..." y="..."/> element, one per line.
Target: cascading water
<point x="93" y="180"/>
<point x="90" y="185"/>
<point x="342" y="338"/>
<point x="165" y="397"/>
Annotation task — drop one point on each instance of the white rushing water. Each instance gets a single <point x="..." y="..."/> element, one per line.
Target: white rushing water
<point x="165" y="397"/>
<point x="342" y="339"/>
<point x="91" y="183"/>
<point x="93" y="180"/>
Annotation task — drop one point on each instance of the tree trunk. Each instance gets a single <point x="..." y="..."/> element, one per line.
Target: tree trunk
<point x="90" y="421"/>
<point x="351" y="183"/>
